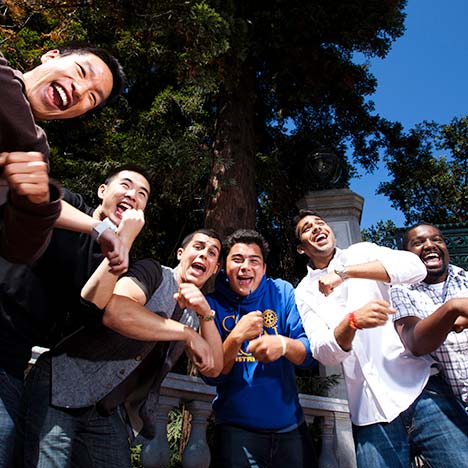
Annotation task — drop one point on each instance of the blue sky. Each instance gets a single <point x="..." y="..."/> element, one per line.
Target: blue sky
<point x="423" y="77"/>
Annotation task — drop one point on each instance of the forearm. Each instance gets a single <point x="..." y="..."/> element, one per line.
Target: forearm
<point x="370" y="270"/>
<point x="344" y="335"/>
<point x="295" y="351"/>
<point x="425" y="336"/>
<point x="231" y="347"/>
<point x="73" y="219"/>
<point x="209" y="332"/>
<point x="100" y="286"/>
<point x="127" y="317"/>
<point x="28" y="226"/>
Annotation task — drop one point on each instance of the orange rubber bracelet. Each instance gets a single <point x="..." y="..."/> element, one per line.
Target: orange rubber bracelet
<point x="352" y="321"/>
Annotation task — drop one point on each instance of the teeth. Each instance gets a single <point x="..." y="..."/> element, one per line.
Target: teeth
<point x="320" y="237"/>
<point x="431" y="256"/>
<point x="63" y="95"/>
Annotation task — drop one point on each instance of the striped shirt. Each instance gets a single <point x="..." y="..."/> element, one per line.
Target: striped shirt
<point x="421" y="300"/>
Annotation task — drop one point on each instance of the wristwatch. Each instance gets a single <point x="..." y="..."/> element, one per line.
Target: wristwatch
<point x="340" y="270"/>
<point x="207" y="318"/>
<point x="101" y="227"/>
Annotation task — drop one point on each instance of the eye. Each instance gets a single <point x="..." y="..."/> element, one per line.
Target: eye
<point x="82" y="71"/>
<point x="125" y="185"/>
<point x="93" y="99"/>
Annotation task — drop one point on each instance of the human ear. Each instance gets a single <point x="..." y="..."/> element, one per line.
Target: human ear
<point x="101" y="191"/>
<point x="50" y="55"/>
<point x="180" y="251"/>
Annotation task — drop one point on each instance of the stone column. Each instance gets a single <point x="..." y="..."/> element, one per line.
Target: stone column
<point x="341" y="209"/>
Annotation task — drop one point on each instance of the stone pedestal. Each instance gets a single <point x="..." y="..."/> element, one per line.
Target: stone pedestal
<point x="341" y="209"/>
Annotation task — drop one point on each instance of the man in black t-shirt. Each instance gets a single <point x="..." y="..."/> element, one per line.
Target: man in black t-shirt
<point x="150" y="317"/>
<point x="68" y="262"/>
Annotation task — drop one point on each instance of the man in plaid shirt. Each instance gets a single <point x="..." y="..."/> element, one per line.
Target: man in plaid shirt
<point x="432" y="316"/>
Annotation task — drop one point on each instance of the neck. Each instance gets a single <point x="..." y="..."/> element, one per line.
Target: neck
<point x="319" y="263"/>
<point x="98" y="214"/>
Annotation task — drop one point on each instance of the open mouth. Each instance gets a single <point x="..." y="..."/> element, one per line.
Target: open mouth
<point x="121" y="207"/>
<point x="244" y="281"/>
<point x="321" y="237"/>
<point x="199" y="267"/>
<point x="60" y="96"/>
<point x="431" y="258"/>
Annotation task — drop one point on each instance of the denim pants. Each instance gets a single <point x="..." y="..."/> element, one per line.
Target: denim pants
<point x="10" y="397"/>
<point x="434" y="426"/>
<point x="59" y="438"/>
<point x="240" y="448"/>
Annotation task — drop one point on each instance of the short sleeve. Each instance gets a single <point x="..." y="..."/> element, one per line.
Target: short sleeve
<point x="147" y="273"/>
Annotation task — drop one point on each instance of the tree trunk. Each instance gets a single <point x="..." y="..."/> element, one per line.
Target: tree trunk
<point x="231" y="195"/>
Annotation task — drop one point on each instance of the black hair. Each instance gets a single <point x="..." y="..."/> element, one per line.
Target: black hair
<point x="207" y="231"/>
<point x="246" y="236"/>
<point x="405" y="237"/>
<point x="301" y="215"/>
<point x="118" y="75"/>
<point x="130" y="167"/>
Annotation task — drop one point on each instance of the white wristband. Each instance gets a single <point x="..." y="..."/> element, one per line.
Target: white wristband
<point x="101" y="227"/>
<point x="283" y="343"/>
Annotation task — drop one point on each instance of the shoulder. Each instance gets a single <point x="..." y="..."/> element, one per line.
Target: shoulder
<point x="76" y="200"/>
<point x="279" y="283"/>
<point x="147" y="273"/>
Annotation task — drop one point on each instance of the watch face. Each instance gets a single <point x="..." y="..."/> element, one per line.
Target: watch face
<point x="340" y="270"/>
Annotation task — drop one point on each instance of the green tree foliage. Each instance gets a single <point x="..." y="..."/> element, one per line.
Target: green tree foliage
<point x="382" y="233"/>
<point x="225" y="101"/>
<point x="428" y="166"/>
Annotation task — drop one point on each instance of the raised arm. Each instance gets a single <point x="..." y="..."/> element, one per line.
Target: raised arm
<point x="250" y="326"/>
<point x="374" y="270"/>
<point x="423" y="336"/>
<point x="269" y="348"/>
<point x="371" y="315"/>
<point x="127" y="315"/>
<point x="76" y="220"/>
<point x="32" y="206"/>
<point x="100" y="286"/>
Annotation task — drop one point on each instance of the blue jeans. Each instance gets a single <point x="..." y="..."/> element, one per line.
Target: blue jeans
<point x="10" y="397"/>
<point x="60" y="438"/>
<point x="434" y="426"/>
<point x="240" y="448"/>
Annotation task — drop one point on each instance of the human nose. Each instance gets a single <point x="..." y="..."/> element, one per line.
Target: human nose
<point x="131" y="193"/>
<point x="428" y="243"/>
<point x="203" y="253"/>
<point x="245" y="264"/>
<point x="78" y="88"/>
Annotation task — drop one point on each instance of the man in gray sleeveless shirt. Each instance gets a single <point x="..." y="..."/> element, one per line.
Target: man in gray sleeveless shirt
<point x="150" y="317"/>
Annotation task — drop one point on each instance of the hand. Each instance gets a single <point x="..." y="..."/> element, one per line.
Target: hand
<point x="115" y="251"/>
<point x="327" y="283"/>
<point x="267" y="348"/>
<point x="250" y="326"/>
<point x="460" y="324"/>
<point x="189" y="296"/>
<point x="131" y="224"/>
<point x="373" y="314"/>
<point x="199" y="351"/>
<point x="26" y="174"/>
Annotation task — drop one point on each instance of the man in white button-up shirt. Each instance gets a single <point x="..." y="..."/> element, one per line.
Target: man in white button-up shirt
<point x="397" y="410"/>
